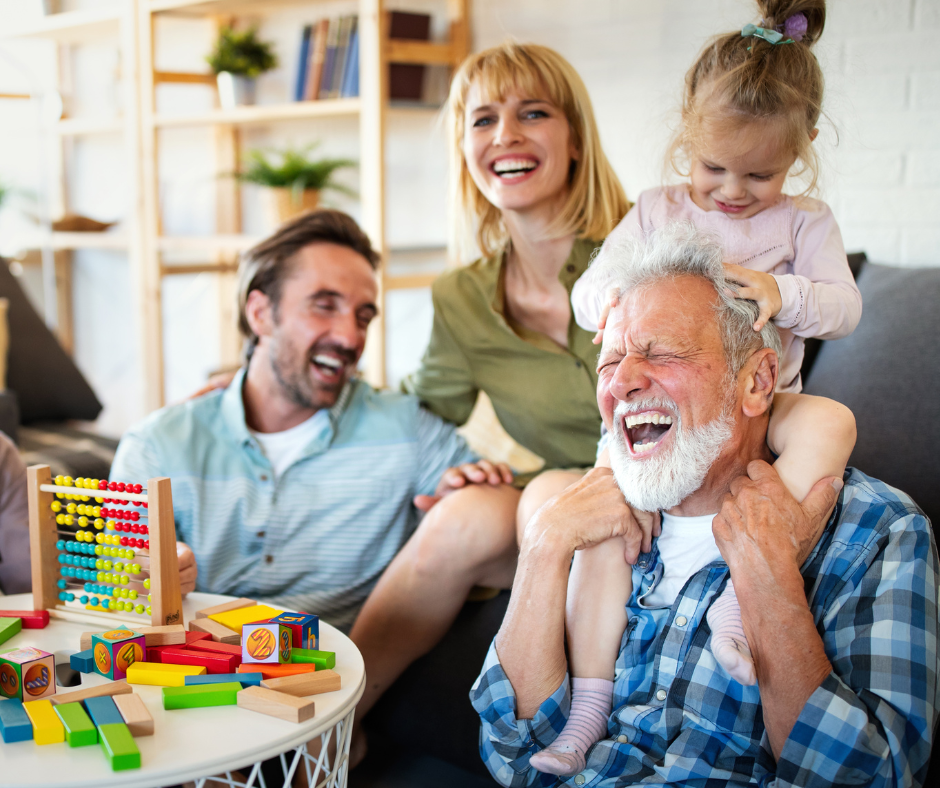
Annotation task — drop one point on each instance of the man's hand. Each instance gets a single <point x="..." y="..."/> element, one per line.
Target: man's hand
<point x="759" y="519"/>
<point x="188" y="569"/>
<point x="590" y="512"/>
<point x="481" y="472"/>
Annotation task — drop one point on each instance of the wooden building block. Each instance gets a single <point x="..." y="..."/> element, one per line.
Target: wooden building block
<point x="218" y="632"/>
<point x="161" y="675"/>
<point x="199" y="695"/>
<point x="95" y="691"/>
<point x="225" y="607"/>
<point x="31" y="619"/>
<point x="192" y="636"/>
<point x="135" y="714"/>
<point x="47" y="727"/>
<point x="236" y="619"/>
<point x="166" y="599"/>
<point x="322" y="659"/>
<point x="103" y="710"/>
<point x="275" y="671"/>
<point x="116" y="649"/>
<point x="14" y="721"/>
<point x="276" y="704"/>
<point x="213" y="663"/>
<point x="27" y="673"/>
<point x="306" y="683"/>
<point x="79" y="729"/>
<point x="83" y="661"/>
<point x="10" y="627"/>
<point x="210" y="645"/>
<point x="245" y="679"/>
<point x="119" y="746"/>
<point x="85" y="642"/>
<point x="163" y="636"/>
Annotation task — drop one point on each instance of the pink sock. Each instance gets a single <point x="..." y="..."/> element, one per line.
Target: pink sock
<point x="729" y="643"/>
<point x="591" y="701"/>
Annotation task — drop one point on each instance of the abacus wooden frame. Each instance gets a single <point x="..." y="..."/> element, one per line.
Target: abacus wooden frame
<point x="166" y="603"/>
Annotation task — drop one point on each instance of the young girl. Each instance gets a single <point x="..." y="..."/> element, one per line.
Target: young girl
<point x="749" y="114"/>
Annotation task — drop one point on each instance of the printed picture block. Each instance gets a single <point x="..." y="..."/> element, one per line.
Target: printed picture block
<point x="27" y="674"/>
<point x="266" y="642"/>
<point x="116" y="650"/>
<point x="305" y="628"/>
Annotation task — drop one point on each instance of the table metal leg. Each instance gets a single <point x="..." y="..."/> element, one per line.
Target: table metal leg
<point x="315" y="763"/>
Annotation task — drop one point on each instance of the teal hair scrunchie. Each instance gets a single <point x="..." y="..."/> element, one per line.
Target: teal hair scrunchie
<point x="770" y="36"/>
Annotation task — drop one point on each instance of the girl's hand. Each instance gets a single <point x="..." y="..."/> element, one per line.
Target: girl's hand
<point x="650" y="526"/>
<point x="756" y="286"/>
<point x="602" y="321"/>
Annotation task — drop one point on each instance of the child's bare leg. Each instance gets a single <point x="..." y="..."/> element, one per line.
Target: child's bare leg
<point x="598" y="590"/>
<point x="543" y="487"/>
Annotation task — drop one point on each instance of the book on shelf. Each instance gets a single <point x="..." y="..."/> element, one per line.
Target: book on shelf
<point x="329" y="60"/>
<point x="406" y="80"/>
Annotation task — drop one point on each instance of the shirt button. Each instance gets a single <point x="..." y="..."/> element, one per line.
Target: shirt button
<point x="661" y="695"/>
<point x="570" y="270"/>
<point x="264" y="477"/>
<point x="579" y="780"/>
<point x="577" y="364"/>
<point x="681" y="621"/>
<point x="622" y="739"/>
<point x="260" y="534"/>
<point x="270" y="558"/>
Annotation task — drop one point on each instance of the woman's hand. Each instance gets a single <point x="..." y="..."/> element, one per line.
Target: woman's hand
<point x="480" y="472"/>
<point x="757" y="286"/>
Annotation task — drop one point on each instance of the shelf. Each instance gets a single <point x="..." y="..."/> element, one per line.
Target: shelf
<point x="215" y="7"/>
<point x="72" y="127"/>
<point x="66" y="241"/>
<point x="208" y="244"/>
<point x="70" y="27"/>
<point x="263" y="113"/>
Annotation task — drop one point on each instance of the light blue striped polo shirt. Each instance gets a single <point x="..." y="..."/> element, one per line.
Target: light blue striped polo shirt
<point x="317" y="537"/>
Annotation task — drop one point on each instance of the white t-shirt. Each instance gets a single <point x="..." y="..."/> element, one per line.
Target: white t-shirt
<point x="685" y="546"/>
<point x="284" y="448"/>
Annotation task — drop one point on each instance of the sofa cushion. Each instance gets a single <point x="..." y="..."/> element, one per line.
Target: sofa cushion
<point x="888" y="373"/>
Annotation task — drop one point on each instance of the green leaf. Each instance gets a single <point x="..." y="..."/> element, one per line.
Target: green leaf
<point x="241" y="53"/>
<point x="293" y="168"/>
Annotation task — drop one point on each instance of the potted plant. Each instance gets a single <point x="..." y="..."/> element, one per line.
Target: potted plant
<point x="292" y="179"/>
<point x="237" y="60"/>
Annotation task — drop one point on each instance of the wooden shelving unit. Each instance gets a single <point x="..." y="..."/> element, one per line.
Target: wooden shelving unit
<point x="219" y="250"/>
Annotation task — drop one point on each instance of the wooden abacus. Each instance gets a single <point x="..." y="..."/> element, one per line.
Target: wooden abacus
<point x="56" y="574"/>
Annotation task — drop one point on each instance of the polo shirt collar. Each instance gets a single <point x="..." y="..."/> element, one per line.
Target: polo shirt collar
<point x="233" y="407"/>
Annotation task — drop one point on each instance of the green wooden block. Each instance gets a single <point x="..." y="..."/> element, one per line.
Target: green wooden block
<point x="119" y="746"/>
<point x="9" y="627"/>
<point x="199" y="695"/>
<point x="79" y="729"/>
<point x="322" y="659"/>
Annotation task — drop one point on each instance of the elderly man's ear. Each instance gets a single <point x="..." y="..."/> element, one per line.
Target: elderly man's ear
<point x="759" y="378"/>
<point x="258" y="312"/>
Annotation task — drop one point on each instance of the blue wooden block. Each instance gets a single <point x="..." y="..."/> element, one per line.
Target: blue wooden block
<point x="14" y="721"/>
<point x="103" y="711"/>
<point x="83" y="661"/>
<point x="246" y="679"/>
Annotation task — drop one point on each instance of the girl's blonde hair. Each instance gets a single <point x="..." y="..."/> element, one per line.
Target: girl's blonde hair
<point x="739" y="79"/>
<point x="596" y="200"/>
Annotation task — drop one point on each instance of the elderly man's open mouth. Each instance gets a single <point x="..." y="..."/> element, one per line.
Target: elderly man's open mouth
<point x="644" y="431"/>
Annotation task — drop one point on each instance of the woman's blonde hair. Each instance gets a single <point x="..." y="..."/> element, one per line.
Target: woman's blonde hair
<point x="596" y="201"/>
<point x="740" y="79"/>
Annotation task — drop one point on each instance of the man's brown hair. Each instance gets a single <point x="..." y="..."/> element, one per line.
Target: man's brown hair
<point x="267" y="265"/>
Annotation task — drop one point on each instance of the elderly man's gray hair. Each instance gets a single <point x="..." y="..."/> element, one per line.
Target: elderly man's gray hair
<point x="679" y="249"/>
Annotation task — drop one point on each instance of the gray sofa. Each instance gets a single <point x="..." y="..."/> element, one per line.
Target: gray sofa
<point x="424" y="732"/>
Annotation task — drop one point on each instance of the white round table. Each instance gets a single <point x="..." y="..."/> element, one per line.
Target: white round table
<point x="192" y="744"/>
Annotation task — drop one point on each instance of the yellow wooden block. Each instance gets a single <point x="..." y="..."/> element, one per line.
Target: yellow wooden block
<point x="235" y="619"/>
<point x="47" y="727"/>
<point x="160" y="675"/>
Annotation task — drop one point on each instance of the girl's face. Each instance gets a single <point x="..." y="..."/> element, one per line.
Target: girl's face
<point x="518" y="150"/>
<point x="741" y="173"/>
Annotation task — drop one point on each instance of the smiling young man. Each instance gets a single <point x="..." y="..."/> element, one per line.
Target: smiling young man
<point x="295" y="483"/>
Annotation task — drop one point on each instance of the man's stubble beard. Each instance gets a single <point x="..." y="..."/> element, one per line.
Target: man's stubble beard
<point x="291" y="369"/>
<point x="667" y="478"/>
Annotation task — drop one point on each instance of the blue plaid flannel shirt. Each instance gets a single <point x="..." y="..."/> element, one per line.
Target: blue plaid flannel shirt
<point x="679" y="718"/>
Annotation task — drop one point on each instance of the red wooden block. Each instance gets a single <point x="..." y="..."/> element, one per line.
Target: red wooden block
<point x="32" y="619"/>
<point x="220" y="648"/>
<point x="275" y="671"/>
<point x="192" y="637"/>
<point x="213" y="663"/>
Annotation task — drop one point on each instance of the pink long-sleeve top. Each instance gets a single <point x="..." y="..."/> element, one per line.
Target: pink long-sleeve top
<point x="796" y="241"/>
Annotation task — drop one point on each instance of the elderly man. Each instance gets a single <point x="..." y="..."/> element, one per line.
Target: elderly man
<point x="843" y="631"/>
<point x="295" y="483"/>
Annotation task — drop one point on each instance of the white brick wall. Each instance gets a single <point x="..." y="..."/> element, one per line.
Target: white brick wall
<point x="881" y="59"/>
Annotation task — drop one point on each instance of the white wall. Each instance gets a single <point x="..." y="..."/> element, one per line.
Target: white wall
<point x="880" y="152"/>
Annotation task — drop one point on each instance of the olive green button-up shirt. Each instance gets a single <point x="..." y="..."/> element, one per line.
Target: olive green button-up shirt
<point x="543" y="394"/>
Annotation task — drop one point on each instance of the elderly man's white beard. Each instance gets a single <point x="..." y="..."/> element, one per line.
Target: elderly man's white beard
<point x="671" y="475"/>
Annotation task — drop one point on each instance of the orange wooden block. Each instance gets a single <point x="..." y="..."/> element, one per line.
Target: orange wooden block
<point x="275" y="671"/>
<point x="304" y="684"/>
<point x="276" y="704"/>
